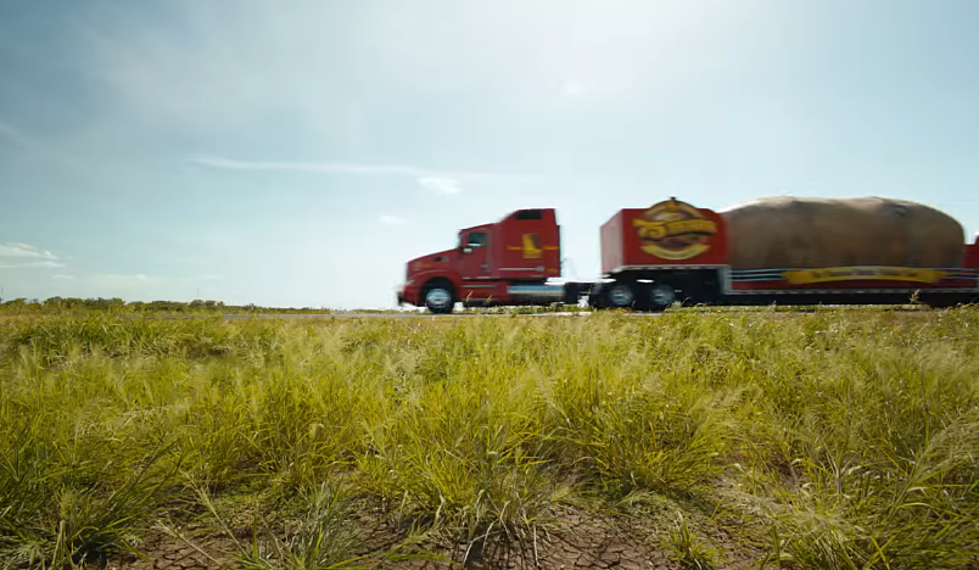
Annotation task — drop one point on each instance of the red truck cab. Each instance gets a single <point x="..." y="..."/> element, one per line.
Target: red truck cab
<point x="489" y="264"/>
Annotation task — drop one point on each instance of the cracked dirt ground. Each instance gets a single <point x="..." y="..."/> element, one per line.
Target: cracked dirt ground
<point x="578" y="542"/>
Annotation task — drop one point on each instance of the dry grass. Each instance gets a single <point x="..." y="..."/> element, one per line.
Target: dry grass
<point x="843" y="439"/>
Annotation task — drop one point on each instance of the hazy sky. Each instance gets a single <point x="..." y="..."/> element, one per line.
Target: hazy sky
<point x="298" y="153"/>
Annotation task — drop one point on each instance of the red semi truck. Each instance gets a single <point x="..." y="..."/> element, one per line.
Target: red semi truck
<point x="654" y="257"/>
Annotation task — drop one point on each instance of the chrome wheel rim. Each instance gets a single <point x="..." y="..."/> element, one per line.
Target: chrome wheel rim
<point x="621" y="296"/>
<point x="663" y="295"/>
<point x="438" y="298"/>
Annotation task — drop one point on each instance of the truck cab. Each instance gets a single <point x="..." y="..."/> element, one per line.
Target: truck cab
<point x="491" y="263"/>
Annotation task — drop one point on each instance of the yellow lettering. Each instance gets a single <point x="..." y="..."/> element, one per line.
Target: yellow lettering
<point x="652" y="230"/>
<point x="809" y="276"/>
<point x="649" y="230"/>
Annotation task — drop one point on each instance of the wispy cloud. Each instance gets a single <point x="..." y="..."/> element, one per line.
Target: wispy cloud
<point x="23" y="251"/>
<point x="425" y="178"/>
<point x="390" y="220"/>
<point x="325" y="167"/>
<point x="30" y="264"/>
<point x="35" y="144"/>
<point x="63" y="276"/>
<point x="24" y="256"/>
<point x="13" y="134"/>
<point x="442" y="182"/>
<point x="128" y="277"/>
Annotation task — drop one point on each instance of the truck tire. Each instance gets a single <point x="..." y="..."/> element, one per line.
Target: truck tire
<point x="620" y="296"/>
<point x="660" y="296"/>
<point x="439" y="298"/>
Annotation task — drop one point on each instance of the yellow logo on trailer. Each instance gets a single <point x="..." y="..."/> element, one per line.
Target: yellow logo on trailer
<point x="674" y="230"/>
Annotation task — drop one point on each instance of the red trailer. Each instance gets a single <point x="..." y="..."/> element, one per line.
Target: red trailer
<point x="652" y="258"/>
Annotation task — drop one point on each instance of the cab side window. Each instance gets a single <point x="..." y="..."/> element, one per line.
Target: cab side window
<point x="476" y="239"/>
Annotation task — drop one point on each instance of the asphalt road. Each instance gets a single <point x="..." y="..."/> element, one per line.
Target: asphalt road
<point x="405" y="315"/>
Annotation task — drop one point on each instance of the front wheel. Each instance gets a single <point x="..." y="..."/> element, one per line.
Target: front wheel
<point x="439" y="299"/>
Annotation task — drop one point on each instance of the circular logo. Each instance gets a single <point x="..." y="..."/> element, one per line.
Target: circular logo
<point x="674" y="230"/>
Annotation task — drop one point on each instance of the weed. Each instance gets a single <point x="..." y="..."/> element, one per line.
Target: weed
<point x="687" y="550"/>
<point x="323" y="537"/>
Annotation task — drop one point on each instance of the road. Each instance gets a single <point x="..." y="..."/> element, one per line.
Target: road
<point x="405" y="315"/>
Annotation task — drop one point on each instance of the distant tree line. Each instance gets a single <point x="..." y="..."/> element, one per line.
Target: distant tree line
<point x="116" y="305"/>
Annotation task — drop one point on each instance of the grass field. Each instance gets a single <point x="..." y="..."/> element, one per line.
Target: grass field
<point x="833" y="439"/>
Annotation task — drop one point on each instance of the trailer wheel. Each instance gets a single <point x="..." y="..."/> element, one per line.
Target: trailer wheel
<point x="439" y="298"/>
<point x="620" y="296"/>
<point x="661" y="296"/>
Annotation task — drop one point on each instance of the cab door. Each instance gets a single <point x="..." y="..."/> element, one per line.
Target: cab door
<point x="474" y="248"/>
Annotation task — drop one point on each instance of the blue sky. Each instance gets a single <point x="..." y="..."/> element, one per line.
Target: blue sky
<point x="298" y="153"/>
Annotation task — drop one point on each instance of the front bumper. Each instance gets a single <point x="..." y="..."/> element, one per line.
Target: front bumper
<point x="408" y="294"/>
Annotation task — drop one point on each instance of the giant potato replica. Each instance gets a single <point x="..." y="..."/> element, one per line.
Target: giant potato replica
<point x="822" y="232"/>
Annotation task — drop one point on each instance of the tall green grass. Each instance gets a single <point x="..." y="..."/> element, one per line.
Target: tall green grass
<point x="846" y="438"/>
